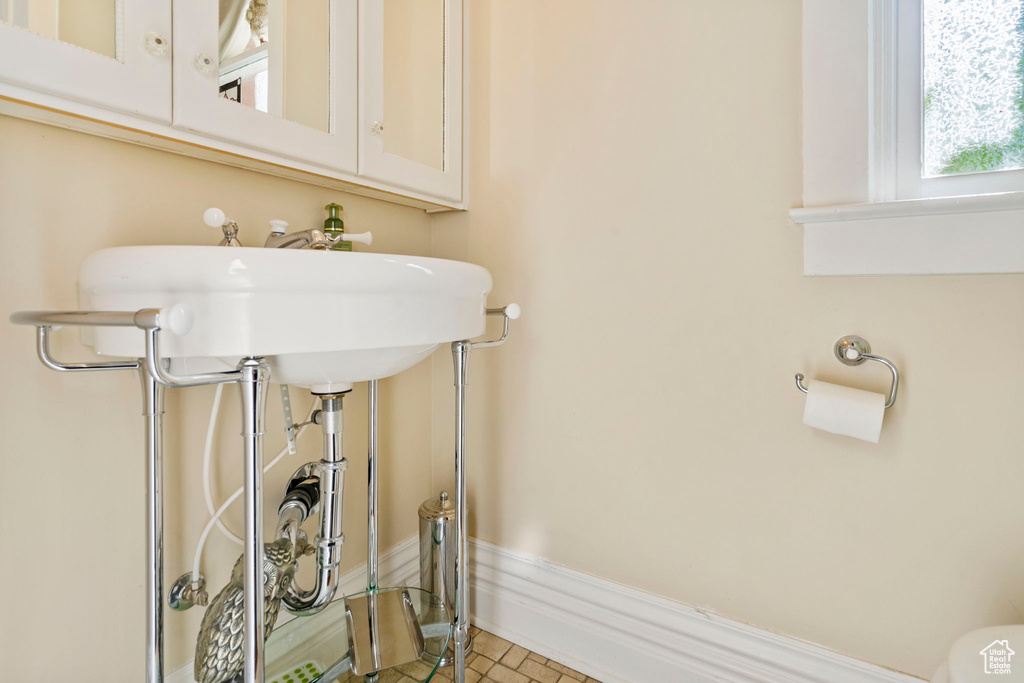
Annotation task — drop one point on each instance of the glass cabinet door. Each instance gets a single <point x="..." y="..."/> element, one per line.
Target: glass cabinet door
<point x="113" y="54"/>
<point x="271" y="75"/>
<point x="411" y="94"/>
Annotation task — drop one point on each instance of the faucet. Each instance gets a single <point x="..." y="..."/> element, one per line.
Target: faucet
<point x="279" y="237"/>
<point x="215" y="218"/>
<point x="315" y="238"/>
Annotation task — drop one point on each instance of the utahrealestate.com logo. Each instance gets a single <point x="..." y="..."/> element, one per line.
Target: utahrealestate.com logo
<point x="997" y="657"/>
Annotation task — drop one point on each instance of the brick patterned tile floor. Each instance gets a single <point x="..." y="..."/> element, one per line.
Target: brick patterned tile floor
<point x="496" y="660"/>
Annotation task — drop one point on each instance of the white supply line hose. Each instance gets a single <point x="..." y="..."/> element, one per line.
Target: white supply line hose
<point x="216" y="514"/>
<point x="207" y="450"/>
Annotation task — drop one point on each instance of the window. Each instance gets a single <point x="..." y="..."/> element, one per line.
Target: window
<point x="244" y="78"/>
<point x="960" y="105"/>
<point x="972" y="87"/>
<point x="913" y="137"/>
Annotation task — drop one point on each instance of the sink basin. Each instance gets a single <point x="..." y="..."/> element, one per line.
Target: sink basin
<point x="323" y="319"/>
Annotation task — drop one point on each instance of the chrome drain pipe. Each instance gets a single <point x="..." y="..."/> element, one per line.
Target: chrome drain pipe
<point x="331" y="472"/>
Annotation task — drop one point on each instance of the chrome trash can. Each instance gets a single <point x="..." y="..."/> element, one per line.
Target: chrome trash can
<point x="437" y="559"/>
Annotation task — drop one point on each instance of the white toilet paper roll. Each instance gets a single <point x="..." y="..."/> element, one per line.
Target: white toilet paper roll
<point x="843" y="410"/>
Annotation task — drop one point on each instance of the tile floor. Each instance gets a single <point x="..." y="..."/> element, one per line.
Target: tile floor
<point x="493" y="660"/>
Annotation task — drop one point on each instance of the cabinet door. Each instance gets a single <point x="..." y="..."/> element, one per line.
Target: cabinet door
<point x="411" y="94"/>
<point x="271" y="75"/>
<point x="113" y="54"/>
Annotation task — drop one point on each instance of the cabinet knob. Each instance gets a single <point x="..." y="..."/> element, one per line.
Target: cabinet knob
<point x="204" y="63"/>
<point x="156" y="44"/>
<point x="377" y="129"/>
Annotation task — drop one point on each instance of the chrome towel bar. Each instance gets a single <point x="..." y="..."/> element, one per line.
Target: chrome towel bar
<point x="177" y="319"/>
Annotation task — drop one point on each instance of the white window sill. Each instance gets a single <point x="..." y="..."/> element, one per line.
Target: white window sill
<point x="944" y="235"/>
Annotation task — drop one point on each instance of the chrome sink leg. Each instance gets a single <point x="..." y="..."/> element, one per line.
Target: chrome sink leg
<point x="460" y="355"/>
<point x="253" y="385"/>
<point x="373" y="394"/>
<point x="153" y="411"/>
<point x="371" y="561"/>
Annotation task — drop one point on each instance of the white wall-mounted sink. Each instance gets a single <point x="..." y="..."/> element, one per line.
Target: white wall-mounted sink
<point x="323" y="319"/>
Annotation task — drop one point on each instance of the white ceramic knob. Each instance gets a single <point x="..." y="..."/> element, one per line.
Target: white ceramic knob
<point x="513" y="311"/>
<point x="177" y="319"/>
<point x="214" y="217"/>
<point x="278" y="226"/>
<point x="204" y="63"/>
<point x="156" y="44"/>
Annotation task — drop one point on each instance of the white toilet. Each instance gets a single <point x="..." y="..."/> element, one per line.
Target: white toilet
<point x="988" y="654"/>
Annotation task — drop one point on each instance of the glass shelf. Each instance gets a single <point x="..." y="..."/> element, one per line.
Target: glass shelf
<point x="315" y="649"/>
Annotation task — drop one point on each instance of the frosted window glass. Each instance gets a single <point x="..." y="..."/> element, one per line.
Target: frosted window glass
<point x="973" y="79"/>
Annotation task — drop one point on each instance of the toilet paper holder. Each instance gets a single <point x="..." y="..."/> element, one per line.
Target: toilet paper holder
<point x="854" y="350"/>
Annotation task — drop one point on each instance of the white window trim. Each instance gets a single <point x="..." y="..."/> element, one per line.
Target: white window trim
<point x="853" y="221"/>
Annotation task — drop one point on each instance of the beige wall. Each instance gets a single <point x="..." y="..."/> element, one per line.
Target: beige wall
<point x="631" y="172"/>
<point x="72" y="470"/>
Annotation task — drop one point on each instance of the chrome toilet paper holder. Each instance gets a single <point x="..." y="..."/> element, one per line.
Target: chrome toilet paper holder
<point x="854" y="350"/>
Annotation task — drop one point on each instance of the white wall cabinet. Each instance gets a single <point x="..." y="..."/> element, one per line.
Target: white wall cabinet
<point x="115" y="55"/>
<point x="363" y="95"/>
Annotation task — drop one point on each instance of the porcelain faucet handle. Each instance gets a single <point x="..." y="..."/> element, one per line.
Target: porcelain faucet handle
<point x="363" y="237"/>
<point x="214" y="217"/>
<point x="278" y="226"/>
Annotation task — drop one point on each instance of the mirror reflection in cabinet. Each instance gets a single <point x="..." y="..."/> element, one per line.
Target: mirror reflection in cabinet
<point x="89" y="24"/>
<point x="275" y="56"/>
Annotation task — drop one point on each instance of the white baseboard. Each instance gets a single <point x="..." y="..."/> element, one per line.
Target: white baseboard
<point x="619" y="634"/>
<point x="399" y="566"/>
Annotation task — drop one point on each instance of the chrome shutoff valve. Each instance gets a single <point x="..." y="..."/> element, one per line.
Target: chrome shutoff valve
<point x="185" y="593"/>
